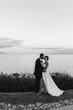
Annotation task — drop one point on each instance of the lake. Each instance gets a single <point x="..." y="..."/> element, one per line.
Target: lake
<point x="24" y="63"/>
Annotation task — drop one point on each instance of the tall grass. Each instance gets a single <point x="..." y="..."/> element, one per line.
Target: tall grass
<point x="26" y="82"/>
<point x="64" y="80"/>
<point x="14" y="83"/>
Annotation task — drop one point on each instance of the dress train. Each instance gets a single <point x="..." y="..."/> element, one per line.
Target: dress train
<point x="50" y="85"/>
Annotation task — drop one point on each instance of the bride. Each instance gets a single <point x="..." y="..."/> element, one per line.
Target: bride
<point x="47" y="84"/>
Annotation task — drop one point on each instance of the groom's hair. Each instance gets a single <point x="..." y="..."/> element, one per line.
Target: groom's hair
<point x="41" y="55"/>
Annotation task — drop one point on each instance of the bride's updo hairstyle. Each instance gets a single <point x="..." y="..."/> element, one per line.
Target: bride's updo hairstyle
<point x="47" y="57"/>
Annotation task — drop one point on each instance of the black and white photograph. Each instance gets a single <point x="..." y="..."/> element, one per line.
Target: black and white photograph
<point x="36" y="55"/>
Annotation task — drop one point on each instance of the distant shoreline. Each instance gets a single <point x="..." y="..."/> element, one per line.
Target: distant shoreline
<point x="51" y="53"/>
<point x="32" y="50"/>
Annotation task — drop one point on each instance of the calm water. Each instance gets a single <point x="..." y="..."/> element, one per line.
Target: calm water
<point x="10" y="63"/>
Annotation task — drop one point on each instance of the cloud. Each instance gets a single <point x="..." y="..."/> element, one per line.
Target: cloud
<point x="9" y="42"/>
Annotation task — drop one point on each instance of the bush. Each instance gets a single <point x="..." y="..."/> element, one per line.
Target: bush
<point x="26" y="82"/>
<point x="15" y="83"/>
<point x="63" y="81"/>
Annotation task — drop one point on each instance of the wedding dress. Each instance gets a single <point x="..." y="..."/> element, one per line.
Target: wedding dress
<point x="50" y="85"/>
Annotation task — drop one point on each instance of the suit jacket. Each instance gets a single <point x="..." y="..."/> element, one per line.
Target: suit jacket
<point x="38" y="69"/>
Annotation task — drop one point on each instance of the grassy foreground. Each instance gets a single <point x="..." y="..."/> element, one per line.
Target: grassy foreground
<point x="31" y="101"/>
<point x="32" y="98"/>
<point x="17" y="92"/>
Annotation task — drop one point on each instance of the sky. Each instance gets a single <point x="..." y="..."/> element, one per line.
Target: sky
<point x="36" y="23"/>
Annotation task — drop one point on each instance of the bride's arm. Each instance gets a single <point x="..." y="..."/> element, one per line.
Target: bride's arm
<point x="46" y="65"/>
<point x="43" y="64"/>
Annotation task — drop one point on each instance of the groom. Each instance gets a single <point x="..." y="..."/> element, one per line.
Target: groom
<point x="38" y="72"/>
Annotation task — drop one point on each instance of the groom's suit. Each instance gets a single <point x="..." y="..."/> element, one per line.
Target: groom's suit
<point x="38" y="74"/>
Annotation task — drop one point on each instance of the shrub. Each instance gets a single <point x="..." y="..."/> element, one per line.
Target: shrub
<point x="64" y="81"/>
<point x="15" y="83"/>
<point x="26" y="82"/>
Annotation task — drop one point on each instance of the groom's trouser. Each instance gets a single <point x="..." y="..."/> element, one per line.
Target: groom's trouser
<point x="37" y="84"/>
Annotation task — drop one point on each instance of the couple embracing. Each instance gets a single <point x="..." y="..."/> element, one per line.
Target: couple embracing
<point x="44" y="82"/>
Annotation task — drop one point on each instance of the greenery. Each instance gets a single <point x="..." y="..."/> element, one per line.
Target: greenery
<point x="16" y="82"/>
<point x="9" y="100"/>
<point x="32" y="101"/>
<point x="26" y="82"/>
<point x="64" y="81"/>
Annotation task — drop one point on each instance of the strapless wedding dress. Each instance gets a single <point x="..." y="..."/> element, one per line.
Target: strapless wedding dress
<point x="50" y="85"/>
